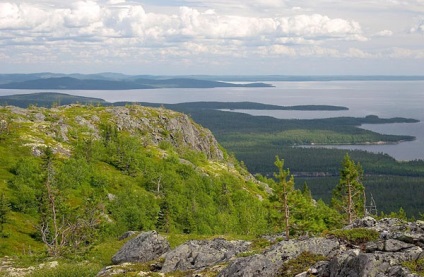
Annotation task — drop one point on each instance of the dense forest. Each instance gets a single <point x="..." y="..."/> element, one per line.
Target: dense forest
<point x="256" y="140"/>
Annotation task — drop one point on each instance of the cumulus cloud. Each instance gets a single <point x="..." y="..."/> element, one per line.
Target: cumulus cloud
<point x="91" y="18"/>
<point x="96" y="31"/>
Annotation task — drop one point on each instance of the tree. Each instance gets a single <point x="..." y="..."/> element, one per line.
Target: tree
<point x="286" y="187"/>
<point x="349" y="194"/>
<point x="4" y="210"/>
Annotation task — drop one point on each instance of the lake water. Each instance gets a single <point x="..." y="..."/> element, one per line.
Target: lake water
<point x="382" y="98"/>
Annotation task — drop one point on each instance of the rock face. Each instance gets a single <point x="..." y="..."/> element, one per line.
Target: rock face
<point x="270" y="262"/>
<point x="166" y="125"/>
<point x="198" y="254"/>
<point x="145" y="247"/>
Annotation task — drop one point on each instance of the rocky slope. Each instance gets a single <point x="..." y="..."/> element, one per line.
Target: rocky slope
<point x="57" y="127"/>
<point x="399" y="242"/>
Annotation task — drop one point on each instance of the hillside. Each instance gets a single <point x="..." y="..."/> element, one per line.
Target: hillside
<point x="132" y="163"/>
<point x="256" y="140"/>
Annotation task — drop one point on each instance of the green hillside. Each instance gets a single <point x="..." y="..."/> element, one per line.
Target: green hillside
<point x="88" y="173"/>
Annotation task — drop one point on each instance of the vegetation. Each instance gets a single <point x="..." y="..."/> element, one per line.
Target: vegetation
<point x="355" y="236"/>
<point x="349" y="194"/>
<point x="286" y="187"/>
<point x="73" y="180"/>
<point x="68" y="270"/>
<point x="300" y="264"/>
<point x="257" y="140"/>
<point x="416" y="266"/>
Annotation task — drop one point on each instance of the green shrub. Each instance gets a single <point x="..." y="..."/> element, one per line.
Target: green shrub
<point x="300" y="264"/>
<point x="416" y="267"/>
<point x="355" y="236"/>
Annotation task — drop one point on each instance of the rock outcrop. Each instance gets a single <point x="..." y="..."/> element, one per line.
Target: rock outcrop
<point x="166" y="125"/>
<point x="270" y="262"/>
<point x="199" y="254"/>
<point x="151" y="125"/>
<point x="145" y="247"/>
<point x="399" y="242"/>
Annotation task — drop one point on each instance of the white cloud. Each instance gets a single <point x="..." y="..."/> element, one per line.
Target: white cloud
<point x="108" y="31"/>
<point x="20" y="16"/>
<point x="82" y="14"/>
<point x="384" y="33"/>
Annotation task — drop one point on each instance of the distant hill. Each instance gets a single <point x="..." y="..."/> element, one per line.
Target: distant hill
<point x="47" y="99"/>
<point x="100" y="82"/>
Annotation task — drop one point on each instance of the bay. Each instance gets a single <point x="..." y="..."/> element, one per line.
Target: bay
<point x="381" y="98"/>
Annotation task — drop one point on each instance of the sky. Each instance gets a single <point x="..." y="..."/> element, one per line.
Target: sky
<point x="213" y="37"/>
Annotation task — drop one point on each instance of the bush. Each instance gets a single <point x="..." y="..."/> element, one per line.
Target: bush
<point x="355" y="236"/>
<point x="300" y="264"/>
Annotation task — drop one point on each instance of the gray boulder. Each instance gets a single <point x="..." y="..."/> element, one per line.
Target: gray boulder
<point x="270" y="262"/>
<point x="354" y="263"/>
<point x="145" y="247"/>
<point x="199" y="254"/>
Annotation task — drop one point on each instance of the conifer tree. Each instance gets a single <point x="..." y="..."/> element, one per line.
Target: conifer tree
<point x="286" y="187"/>
<point x="349" y="194"/>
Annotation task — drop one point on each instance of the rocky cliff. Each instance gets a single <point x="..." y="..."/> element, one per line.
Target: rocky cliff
<point x="57" y="127"/>
<point x="399" y="244"/>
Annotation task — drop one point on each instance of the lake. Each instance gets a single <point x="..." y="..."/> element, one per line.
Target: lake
<point x="382" y="98"/>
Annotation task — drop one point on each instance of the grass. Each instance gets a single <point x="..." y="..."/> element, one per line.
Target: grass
<point x="300" y="264"/>
<point x="355" y="236"/>
<point x="68" y="270"/>
<point x="416" y="267"/>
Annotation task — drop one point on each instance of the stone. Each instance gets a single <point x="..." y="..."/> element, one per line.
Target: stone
<point x="145" y="247"/>
<point x="367" y="221"/>
<point x="127" y="235"/>
<point x="392" y="245"/>
<point x="199" y="254"/>
<point x="269" y="263"/>
<point x="354" y="263"/>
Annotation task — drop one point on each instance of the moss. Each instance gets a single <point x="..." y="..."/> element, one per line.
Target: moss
<point x="355" y="236"/>
<point x="300" y="264"/>
<point x="416" y="267"/>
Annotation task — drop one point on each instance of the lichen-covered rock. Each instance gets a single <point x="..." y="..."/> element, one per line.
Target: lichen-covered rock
<point x="145" y="247"/>
<point x="355" y="263"/>
<point x="198" y="254"/>
<point x="166" y="125"/>
<point x="270" y="262"/>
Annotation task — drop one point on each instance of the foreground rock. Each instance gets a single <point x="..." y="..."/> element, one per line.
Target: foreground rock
<point x="270" y="262"/>
<point x="199" y="254"/>
<point x="145" y="247"/>
<point x="399" y="242"/>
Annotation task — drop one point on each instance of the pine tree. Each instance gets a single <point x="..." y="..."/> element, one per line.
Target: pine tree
<point x="286" y="182"/>
<point x="349" y="194"/>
